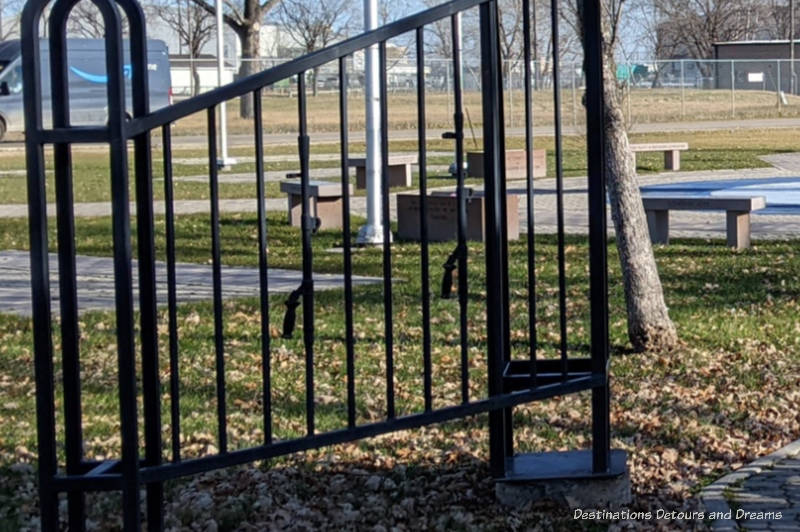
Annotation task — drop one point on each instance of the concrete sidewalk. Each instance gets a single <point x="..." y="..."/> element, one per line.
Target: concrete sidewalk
<point x="193" y="282"/>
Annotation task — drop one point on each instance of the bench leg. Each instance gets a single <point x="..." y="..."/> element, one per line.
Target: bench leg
<point x="738" y="225"/>
<point x="361" y="177"/>
<point x="295" y="209"/>
<point x="672" y="160"/>
<point x="400" y="175"/>
<point x="658" y="225"/>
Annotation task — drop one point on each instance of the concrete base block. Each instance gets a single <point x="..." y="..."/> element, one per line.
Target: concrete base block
<point x="574" y="493"/>
<point x="565" y="479"/>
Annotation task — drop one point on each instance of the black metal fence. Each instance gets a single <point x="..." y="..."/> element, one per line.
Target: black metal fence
<point x="510" y="382"/>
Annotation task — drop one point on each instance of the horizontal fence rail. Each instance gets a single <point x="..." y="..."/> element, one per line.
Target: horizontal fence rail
<point x="485" y="276"/>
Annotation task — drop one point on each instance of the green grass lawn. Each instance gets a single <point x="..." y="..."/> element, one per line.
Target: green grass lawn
<point x="728" y="394"/>
<point x="714" y="150"/>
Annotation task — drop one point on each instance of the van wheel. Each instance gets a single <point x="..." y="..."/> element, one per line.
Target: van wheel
<point x="2" y="129"/>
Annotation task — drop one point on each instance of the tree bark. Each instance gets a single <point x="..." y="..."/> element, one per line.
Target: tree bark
<point x="649" y="324"/>
<point x="250" y="37"/>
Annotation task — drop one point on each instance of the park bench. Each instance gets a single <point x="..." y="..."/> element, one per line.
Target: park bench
<point x="738" y="211"/>
<point x="672" y="152"/>
<point x="442" y="218"/>
<point x="399" y="170"/>
<point x="325" y="202"/>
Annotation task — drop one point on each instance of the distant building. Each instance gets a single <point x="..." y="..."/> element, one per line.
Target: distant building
<point x="755" y="65"/>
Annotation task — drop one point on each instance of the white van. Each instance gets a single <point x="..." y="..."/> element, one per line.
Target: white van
<point x="87" y="81"/>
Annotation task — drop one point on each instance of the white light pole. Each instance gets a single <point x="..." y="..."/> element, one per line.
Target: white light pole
<point x="223" y="160"/>
<point x="372" y="232"/>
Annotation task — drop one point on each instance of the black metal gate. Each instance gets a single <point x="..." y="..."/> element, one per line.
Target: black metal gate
<point x="511" y="382"/>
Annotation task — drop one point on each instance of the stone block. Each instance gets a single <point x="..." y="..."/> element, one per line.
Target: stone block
<point x="442" y="217"/>
<point x="516" y="164"/>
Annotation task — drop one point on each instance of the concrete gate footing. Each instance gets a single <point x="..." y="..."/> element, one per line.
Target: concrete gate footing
<point x="565" y="478"/>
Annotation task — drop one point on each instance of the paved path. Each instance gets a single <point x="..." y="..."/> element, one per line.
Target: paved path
<point x="764" y="495"/>
<point x="783" y="161"/>
<point x="707" y="224"/>
<point x="194" y="282"/>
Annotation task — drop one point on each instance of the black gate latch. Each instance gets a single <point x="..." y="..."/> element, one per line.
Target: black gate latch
<point x="291" y="311"/>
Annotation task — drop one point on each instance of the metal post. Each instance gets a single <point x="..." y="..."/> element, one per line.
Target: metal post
<point x="791" y="46"/>
<point x="574" y="99"/>
<point x="493" y="152"/>
<point x="683" y="97"/>
<point x="598" y="288"/>
<point x="778" y="82"/>
<point x="510" y="81"/>
<point x="733" y="90"/>
<point x="224" y="160"/>
<point x="372" y="232"/>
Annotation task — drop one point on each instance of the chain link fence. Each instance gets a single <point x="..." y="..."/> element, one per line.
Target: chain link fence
<point x="650" y="91"/>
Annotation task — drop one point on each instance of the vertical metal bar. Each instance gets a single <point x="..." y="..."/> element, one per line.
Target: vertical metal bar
<point x="458" y="119"/>
<point x="346" y="245"/>
<point x="123" y="274"/>
<point x="733" y="89"/>
<point x="574" y="99"/>
<point x="496" y="309"/>
<point x="526" y="39"/>
<point x="67" y="273"/>
<point x="40" y="271"/>
<point x="219" y="340"/>
<point x="122" y="271"/>
<point x="307" y="229"/>
<point x="598" y="280"/>
<point x="172" y="297"/>
<point x="423" y="222"/>
<point x="562" y="275"/>
<point x="387" y="236"/>
<point x="683" y="90"/>
<point x="266" y="367"/>
<point x="503" y="215"/>
<point x="148" y="305"/>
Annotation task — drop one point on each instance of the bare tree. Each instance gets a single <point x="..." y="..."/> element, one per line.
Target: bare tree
<point x="697" y="24"/>
<point x="193" y="25"/>
<point x="10" y="11"/>
<point x="509" y="18"/>
<point x="245" y="18"/>
<point x="86" y="22"/>
<point x="649" y="324"/>
<point x="314" y="24"/>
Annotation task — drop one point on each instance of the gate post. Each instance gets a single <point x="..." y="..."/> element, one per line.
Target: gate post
<point x="598" y="261"/>
<point x="586" y="478"/>
<point x="493" y="171"/>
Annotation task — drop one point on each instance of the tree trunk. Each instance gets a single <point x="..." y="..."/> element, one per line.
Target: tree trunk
<point x="649" y="324"/>
<point x="250" y="39"/>
<point x="195" y="80"/>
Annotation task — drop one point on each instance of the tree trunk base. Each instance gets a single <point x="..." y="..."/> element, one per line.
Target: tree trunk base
<point x="654" y="338"/>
